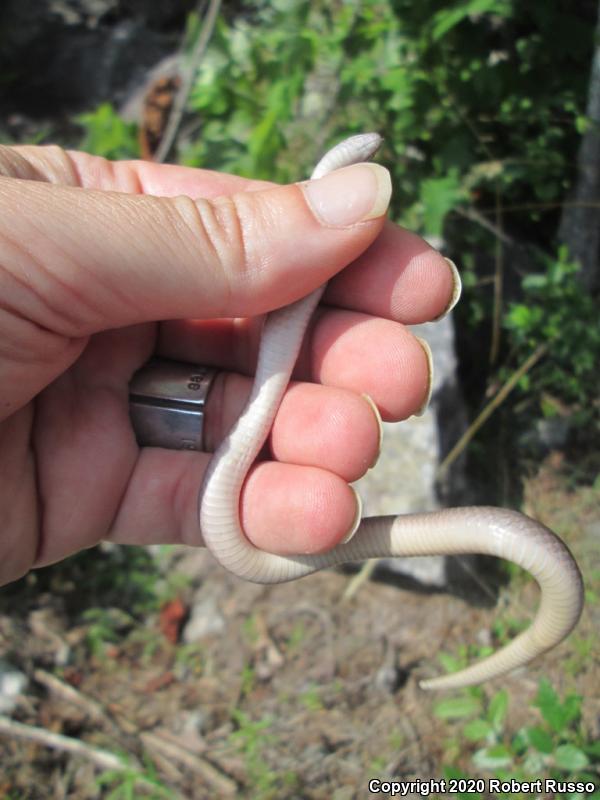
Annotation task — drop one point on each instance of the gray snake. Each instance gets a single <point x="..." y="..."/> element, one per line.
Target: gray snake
<point x="473" y="530"/>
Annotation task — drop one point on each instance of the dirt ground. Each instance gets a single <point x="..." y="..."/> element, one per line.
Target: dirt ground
<point x="291" y="692"/>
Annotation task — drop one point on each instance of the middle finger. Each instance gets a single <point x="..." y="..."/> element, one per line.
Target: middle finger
<point x="343" y="349"/>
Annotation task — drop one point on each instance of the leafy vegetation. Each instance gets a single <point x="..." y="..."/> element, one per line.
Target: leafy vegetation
<point x="554" y="748"/>
<point x="480" y="150"/>
<point x="130" y="784"/>
<point x="555" y="310"/>
<point x="106" y="134"/>
<point x="123" y="579"/>
<point x="252" y="739"/>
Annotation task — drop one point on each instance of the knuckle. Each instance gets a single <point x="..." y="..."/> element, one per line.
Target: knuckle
<point x="217" y="224"/>
<point x="224" y="228"/>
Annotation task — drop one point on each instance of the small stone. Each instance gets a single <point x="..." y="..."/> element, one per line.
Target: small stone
<point x="404" y="479"/>
<point x="193" y="724"/>
<point x="12" y="684"/>
<point x="205" y="620"/>
<point x="484" y="637"/>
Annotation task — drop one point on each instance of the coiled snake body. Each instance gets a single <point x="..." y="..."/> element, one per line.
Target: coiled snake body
<point x="484" y="530"/>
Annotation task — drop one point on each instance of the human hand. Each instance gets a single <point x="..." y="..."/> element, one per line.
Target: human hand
<point x="92" y="253"/>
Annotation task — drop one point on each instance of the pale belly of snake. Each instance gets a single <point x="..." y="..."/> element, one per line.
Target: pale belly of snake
<point x="474" y="530"/>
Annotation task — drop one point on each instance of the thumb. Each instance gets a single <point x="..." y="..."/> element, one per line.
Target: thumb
<point x="76" y="261"/>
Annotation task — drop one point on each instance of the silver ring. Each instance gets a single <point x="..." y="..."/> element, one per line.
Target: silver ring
<point x="167" y="401"/>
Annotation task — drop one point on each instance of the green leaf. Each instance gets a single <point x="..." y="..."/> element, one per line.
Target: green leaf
<point x="477" y="729"/>
<point x="520" y="741"/>
<point x="457" y="707"/>
<point x="107" y="135"/>
<point x="439" y="196"/>
<point x="558" y="715"/>
<point x="570" y="758"/>
<point x="534" y="281"/>
<point x="447" y="19"/>
<point x="581" y="124"/>
<point x="572" y="708"/>
<point x="524" y="317"/>
<point x="594" y="749"/>
<point x="498" y="708"/>
<point x="449" y="662"/>
<point x="540" y="739"/>
<point x="549" y="705"/>
<point x="494" y="757"/>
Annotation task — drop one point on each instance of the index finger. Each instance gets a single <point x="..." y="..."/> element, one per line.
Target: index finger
<point x="399" y="277"/>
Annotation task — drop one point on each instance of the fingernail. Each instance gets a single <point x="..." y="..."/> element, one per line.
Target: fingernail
<point x="429" y="356"/>
<point x="456" y="290"/>
<point x="377" y="415"/>
<point x="357" y="518"/>
<point x="349" y="195"/>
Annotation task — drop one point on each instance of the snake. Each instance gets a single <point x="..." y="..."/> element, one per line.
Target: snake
<point x="485" y="530"/>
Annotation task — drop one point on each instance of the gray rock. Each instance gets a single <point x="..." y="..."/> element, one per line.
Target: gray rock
<point x="192" y="724"/>
<point x="205" y="620"/>
<point x="66" y="55"/>
<point x="12" y="684"/>
<point x="404" y="479"/>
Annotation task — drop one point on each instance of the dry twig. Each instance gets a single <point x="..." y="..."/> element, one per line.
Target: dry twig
<point x="489" y="409"/>
<point x="70" y="695"/>
<point x="214" y="778"/>
<point x="473" y="215"/>
<point x="176" y="115"/>
<point x="498" y="284"/>
<point x="56" y="741"/>
<point x="362" y="576"/>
